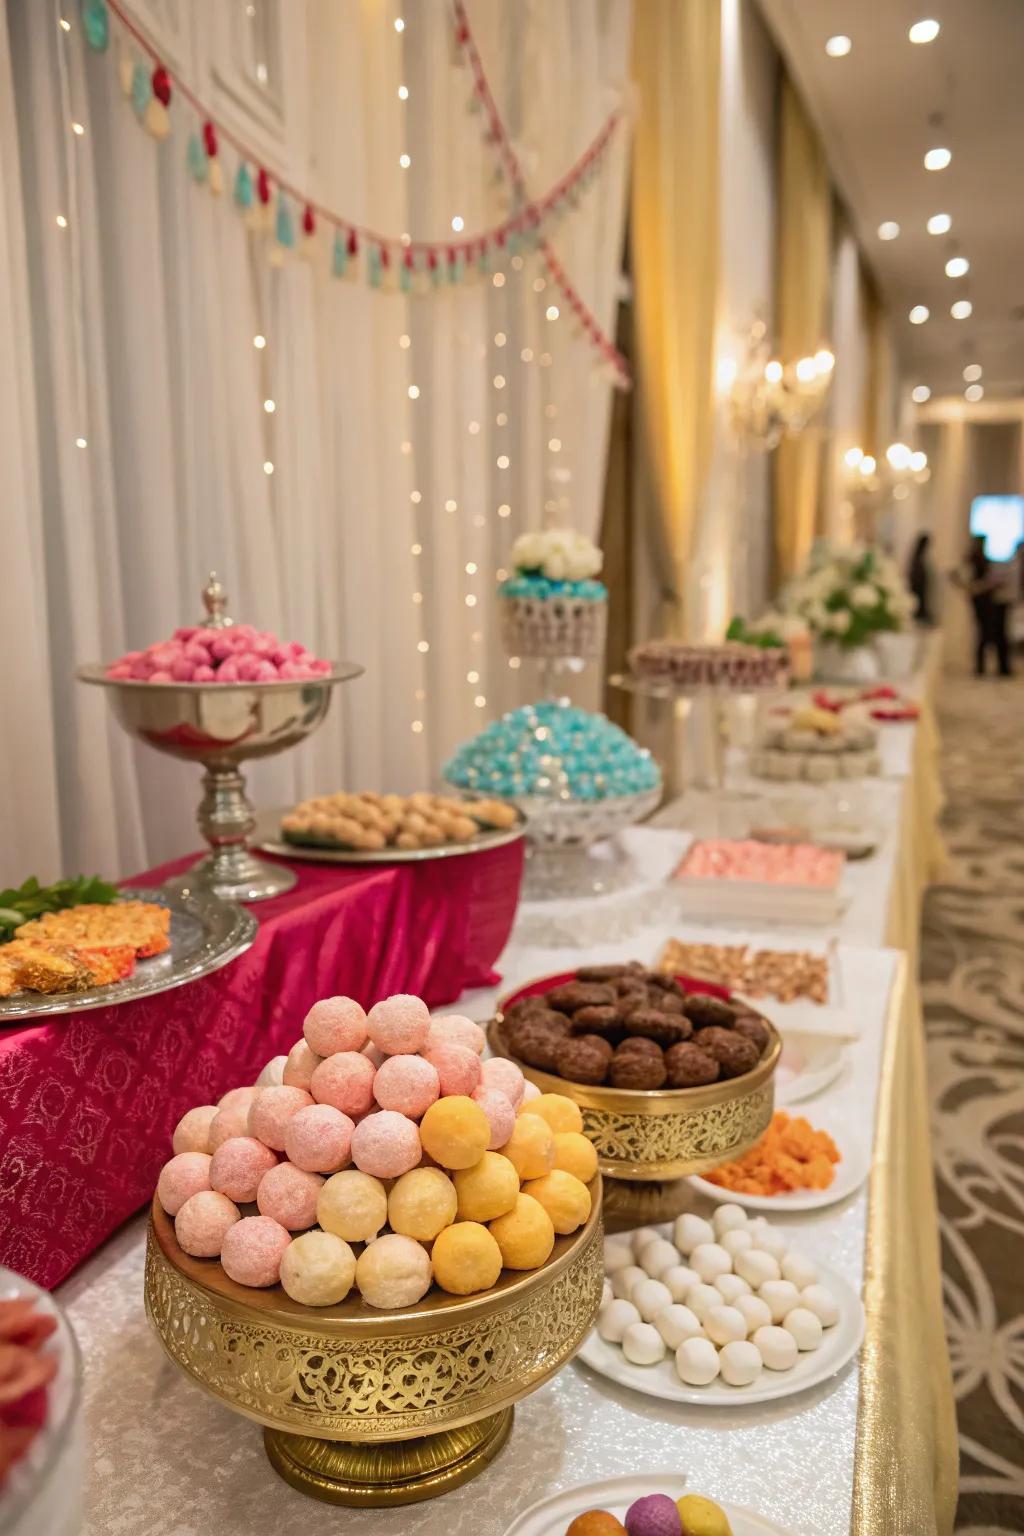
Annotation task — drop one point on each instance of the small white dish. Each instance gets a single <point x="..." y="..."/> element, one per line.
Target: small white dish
<point x="551" y="1516"/>
<point x="808" y="1065"/>
<point x="850" y="1172"/>
<point x="837" y="1348"/>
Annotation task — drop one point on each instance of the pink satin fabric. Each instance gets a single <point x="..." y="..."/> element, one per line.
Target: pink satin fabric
<point x="88" y="1102"/>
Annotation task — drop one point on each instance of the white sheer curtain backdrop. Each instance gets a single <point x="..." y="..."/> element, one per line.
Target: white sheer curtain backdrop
<point x="134" y="326"/>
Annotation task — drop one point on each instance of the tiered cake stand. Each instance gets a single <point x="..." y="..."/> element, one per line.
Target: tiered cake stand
<point x="220" y="726"/>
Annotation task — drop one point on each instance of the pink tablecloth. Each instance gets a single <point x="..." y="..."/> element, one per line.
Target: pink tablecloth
<point x="88" y="1102"/>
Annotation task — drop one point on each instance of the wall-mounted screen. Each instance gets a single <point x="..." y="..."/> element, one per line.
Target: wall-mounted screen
<point x="1001" y="520"/>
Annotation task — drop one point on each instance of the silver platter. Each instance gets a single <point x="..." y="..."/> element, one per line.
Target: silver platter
<point x="268" y="839"/>
<point x="205" y="934"/>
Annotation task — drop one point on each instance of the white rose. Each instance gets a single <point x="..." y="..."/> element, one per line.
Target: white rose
<point x="839" y="622"/>
<point x="791" y="628"/>
<point x="528" y="551"/>
<point x="556" y="565"/>
<point x="865" y="595"/>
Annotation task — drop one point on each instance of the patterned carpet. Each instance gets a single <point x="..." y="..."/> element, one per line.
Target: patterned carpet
<point x="972" y="969"/>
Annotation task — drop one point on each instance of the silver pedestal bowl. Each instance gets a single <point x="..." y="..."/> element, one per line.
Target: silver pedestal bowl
<point x="220" y="725"/>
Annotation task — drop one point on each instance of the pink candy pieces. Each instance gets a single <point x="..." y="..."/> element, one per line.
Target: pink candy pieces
<point x="319" y="1139"/>
<point x="408" y="1084"/>
<point x="501" y="1115"/>
<point x="185" y="1175"/>
<point x="238" y="1166"/>
<point x="722" y="858"/>
<point x="202" y="655"/>
<point x="386" y="1145"/>
<point x="202" y="1222"/>
<point x="335" y="1024"/>
<point x="346" y="1081"/>
<point x="455" y="1029"/>
<point x="289" y="1196"/>
<point x="300" y="1066"/>
<point x="252" y="1250"/>
<point x="457" y="1068"/>
<point x="398" y="1026"/>
<point x="506" y="1078"/>
<point x="270" y="1111"/>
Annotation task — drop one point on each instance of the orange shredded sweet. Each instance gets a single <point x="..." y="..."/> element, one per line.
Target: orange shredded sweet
<point x="790" y="1155"/>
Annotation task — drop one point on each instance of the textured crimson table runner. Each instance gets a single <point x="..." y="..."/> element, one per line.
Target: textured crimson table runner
<point x="88" y="1102"/>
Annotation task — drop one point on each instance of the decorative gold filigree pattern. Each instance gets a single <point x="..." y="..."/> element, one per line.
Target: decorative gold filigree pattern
<point x="669" y="1146"/>
<point x="384" y="1388"/>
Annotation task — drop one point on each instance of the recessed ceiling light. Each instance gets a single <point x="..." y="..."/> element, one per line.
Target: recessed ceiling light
<point x="838" y="47"/>
<point x="920" y="393"/>
<point x="961" y="310"/>
<point x="940" y="224"/>
<point x="937" y="159"/>
<point x="973" y="392"/>
<point x="888" y="230"/>
<point x="957" y="266"/>
<point x="918" y="315"/>
<point x="924" y="31"/>
<point x="972" y="373"/>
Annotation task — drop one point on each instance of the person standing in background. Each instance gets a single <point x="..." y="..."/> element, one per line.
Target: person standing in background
<point x="920" y="579"/>
<point x="990" y="599"/>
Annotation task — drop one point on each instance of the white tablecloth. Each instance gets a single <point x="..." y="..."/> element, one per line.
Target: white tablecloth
<point x="168" y="1461"/>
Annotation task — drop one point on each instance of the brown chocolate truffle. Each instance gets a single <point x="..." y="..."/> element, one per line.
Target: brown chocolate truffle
<point x="534" y="1044"/>
<point x="666" y="983"/>
<point x="665" y="1002"/>
<point x="638" y="1043"/>
<point x="664" y="1028"/>
<point x="608" y="972"/>
<point x="752" y="1028"/>
<point x="524" y="1007"/>
<point x="708" y="1012"/>
<point x="583" y="1060"/>
<point x="734" y="1054"/>
<point x="690" y="1067"/>
<point x="579" y="994"/>
<point x="605" y="1021"/>
<point x="637" y="1069"/>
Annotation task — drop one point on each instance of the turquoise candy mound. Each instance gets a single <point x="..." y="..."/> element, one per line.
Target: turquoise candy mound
<point x="555" y="750"/>
<point x="533" y="585"/>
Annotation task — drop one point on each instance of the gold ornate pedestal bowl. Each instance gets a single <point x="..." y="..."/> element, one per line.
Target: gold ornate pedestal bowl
<point x="649" y="1142"/>
<point x="362" y="1407"/>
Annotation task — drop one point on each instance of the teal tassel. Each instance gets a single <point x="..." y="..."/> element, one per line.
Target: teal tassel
<point x="96" y="24"/>
<point x="483" y="261"/>
<point x="456" y="268"/>
<point x="375" y="266"/>
<point x="285" y="224"/>
<point x="243" y="186"/>
<point x="514" y="243"/>
<point x="405" y="278"/>
<point x="437" y="273"/>
<point x="142" y="90"/>
<point x="339" y="257"/>
<point x="196" y="159"/>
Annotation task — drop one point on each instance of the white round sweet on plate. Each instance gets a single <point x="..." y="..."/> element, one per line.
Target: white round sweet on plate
<point x="641" y="1237"/>
<point x="778" y="1348"/>
<point x="606" y="1292"/>
<point x="624" y="1279"/>
<point x="727" y="1218"/>
<point x="701" y="1298"/>
<point x="697" y="1362"/>
<point x="650" y="1297"/>
<point x="709" y="1260"/>
<point x="756" y="1267"/>
<point x="819" y="1300"/>
<point x="798" y="1268"/>
<point x="679" y="1279"/>
<point x="676" y="1323"/>
<point x="615" y="1318"/>
<point x="659" y="1256"/>
<point x="736" y="1240"/>
<point x="804" y="1326"/>
<point x="755" y="1312"/>
<point x="724" y="1324"/>
<point x="740" y="1363"/>
<point x="642" y="1344"/>
<point x="617" y="1255"/>
<point x="781" y="1295"/>
<point x="690" y="1231"/>
<point x="771" y="1242"/>
<point x="730" y="1286"/>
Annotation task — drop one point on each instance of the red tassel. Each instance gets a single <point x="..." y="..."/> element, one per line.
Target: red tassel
<point x="263" y="186"/>
<point x="353" y="243"/>
<point x="462" y="34"/>
<point x="162" y="85"/>
<point x="210" y="139"/>
<point x="385" y="257"/>
<point x="432" y="260"/>
<point x="308" y="220"/>
<point x="410" y="264"/>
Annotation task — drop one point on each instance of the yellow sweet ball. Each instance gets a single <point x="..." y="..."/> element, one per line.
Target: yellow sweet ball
<point x="352" y="1205"/>
<point x="486" y="1190"/>
<point x="455" y="1131"/>
<point x="559" y="1112"/>
<point x="422" y="1203"/>
<point x="576" y="1155"/>
<point x="564" y="1197"/>
<point x="531" y="1147"/>
<point x="525" y="1236"/>
<point x="466" y="1258"/>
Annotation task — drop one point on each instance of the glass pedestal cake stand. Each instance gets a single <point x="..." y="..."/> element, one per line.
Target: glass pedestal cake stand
<point x="562" y="838"/>
<point x="220" y="726"/>
<point x="369" y="1408"/>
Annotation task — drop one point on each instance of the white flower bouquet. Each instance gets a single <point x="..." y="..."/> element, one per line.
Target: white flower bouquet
<point x="560" y="554"/>
<point x="553" y="606"/>
<point x="848" y="596"/>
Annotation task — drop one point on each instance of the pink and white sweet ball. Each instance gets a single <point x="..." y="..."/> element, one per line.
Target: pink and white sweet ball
<point x="238" y="654"/>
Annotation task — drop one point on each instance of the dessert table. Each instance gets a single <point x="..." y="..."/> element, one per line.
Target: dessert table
<point x="88" y="1101"/>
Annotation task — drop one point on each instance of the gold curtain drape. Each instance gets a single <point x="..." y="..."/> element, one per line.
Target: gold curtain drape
<point x="802" y="294"/>
<point x="674" y="241"/>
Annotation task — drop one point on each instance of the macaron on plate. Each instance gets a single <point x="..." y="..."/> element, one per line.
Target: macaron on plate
<point x="553" y="1515"/>
<point x="838" y="1346"/>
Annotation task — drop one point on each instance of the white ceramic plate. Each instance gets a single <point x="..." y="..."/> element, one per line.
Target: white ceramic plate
<point x="851" y="1171"/>
<point x="808" y="1065"/>
<point x="551" y="1516"/>
<point x="838" y="1346"/>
